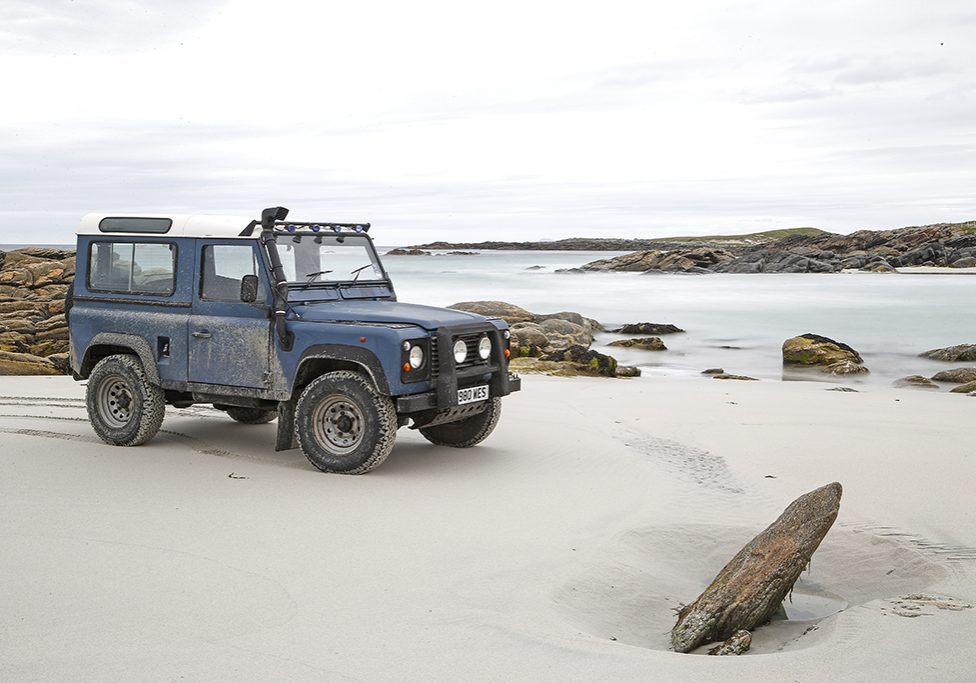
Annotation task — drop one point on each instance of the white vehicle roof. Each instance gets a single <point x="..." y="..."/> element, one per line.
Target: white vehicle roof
<point x="181" y="225"/>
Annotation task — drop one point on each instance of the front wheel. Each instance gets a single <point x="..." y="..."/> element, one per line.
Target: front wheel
<point x="343" y="425"/>
<point x="468" y="432"/>
<point x="125" y="409"/>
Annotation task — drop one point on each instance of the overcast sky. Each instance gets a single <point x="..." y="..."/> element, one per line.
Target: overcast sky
<point x="518" y="120"/>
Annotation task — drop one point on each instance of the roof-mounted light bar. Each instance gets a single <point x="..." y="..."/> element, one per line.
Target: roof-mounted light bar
<point x="318" y="226"/>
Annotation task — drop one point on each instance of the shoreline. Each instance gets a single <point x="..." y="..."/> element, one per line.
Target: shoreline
<point x="555" y="550"/>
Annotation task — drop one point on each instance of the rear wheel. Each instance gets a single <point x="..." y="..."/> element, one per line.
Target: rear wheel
<point x="343" y="424"/>
<point x="251" y="416"/>
<point x="468" y="432"/>
<point x="125" y="409"/>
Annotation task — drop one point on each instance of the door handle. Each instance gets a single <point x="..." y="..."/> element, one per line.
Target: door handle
<point x="201" y="334"/>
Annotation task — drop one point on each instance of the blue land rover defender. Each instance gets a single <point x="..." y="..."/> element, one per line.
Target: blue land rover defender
<point x="273" y="319"/>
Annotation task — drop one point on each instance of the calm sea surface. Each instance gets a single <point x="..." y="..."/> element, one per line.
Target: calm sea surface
<point x="736" y="322"/>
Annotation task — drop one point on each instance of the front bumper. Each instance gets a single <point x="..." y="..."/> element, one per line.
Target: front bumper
<point x="428" y="400"/>
<point x="449" y="378"/>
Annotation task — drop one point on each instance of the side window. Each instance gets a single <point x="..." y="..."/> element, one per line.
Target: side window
<point x="132" y="268"/>
<point x="223" y="267"/>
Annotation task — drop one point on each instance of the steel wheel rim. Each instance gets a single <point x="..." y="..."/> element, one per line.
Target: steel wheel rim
<point x="338" y="424"/>
<point x="115" y="402"/>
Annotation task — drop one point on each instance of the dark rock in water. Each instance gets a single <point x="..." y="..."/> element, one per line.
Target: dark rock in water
<point x="536" y="268"/>
<point x="462" y="253"/>
<point x="814" y="350"/>
<point x="713" y="371"/>
<point x="953" y="354"/>
<point x="964" y="388"/>
<point x="846" y="390"/>
<point x="597" y="363"/>
<point x="407" y="252"/>
<point x="654" y="329"/>
<point x="964" y="262"/>
<point x="571" y="271"/>
<point x="738" y="644"/>
<point x="751" y="587"/>
<point x="916" y="381"/>
<point x="646" y="343"/>
<point x="956" y="375"/>
<point x="725" y="375"/>
<point x="628" y="371"/>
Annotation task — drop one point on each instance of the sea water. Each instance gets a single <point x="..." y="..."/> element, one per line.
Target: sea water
<point x="734" y="322"/>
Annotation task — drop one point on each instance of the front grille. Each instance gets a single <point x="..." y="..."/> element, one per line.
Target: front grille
<point x="435" y="363"/>
<point x="472" y="359"/>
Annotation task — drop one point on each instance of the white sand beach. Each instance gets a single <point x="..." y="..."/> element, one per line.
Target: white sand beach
<point x="556" y="550"/>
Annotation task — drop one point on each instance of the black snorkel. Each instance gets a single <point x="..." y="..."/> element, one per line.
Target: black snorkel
<point x="280" y="288"/>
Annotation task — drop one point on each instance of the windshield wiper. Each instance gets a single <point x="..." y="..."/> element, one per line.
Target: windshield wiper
<point x="316" y="274"/>
<point x="359" y="270"/>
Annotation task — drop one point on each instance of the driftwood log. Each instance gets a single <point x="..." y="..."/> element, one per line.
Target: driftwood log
<point x="751" y="587"/>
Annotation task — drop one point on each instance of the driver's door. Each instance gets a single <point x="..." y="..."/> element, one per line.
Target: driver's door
<point x="229" y="340"/>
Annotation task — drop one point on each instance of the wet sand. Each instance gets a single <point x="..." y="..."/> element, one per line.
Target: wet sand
<point x="556" y="550"/>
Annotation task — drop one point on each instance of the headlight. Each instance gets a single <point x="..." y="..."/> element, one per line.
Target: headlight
<point x="484" y="348"/>
<point x="460" y="351"/>
<point x="416" y="357"/>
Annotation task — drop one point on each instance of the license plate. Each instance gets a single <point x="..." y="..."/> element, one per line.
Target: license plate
<point x="472" y="394"/>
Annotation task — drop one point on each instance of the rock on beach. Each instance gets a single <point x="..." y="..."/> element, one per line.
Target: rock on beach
<point x="831" y="357"/>
<point x="645" y="343"/>
<point x="953" y="354"/>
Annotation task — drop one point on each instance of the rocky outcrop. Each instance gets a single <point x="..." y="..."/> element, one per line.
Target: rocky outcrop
<point x="956" y="375"/>
<point x="645" y="343"/>
<point x="695" y="260"/>
<point x="399" y="251"/>
<point x="586" y="361"/>
<point x="829" y="356"/>
<point x="655" y="329"/>
<point x="534" y="334"/>
<point x="510" y="313"/>
<point x="878" y="251"/>
<point x="33" y="329"/>
<point x="725" y="375"/>
<point x="916" y="381"/>
<point x="752" y="586"/>
<point x="961" y="353"/>
<point x="551" y="343"/>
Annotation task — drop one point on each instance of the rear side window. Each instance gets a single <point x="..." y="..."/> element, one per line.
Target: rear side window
<point x="132" y="268"/>
<point x="223" y="267"/>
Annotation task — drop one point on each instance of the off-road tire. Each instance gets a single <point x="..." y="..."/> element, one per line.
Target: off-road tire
<point x="125" y="409"/>
<point x="251" y="416"/>
<point x="343" y="424"/>
<point x="467" y="432"/>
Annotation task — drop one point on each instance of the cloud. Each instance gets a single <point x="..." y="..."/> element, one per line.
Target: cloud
<point x="98" y="26"/>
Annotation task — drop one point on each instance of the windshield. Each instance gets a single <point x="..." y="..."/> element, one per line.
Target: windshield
<point x="308" y="259"/>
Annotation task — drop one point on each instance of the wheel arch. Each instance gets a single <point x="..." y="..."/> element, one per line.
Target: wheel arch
<point x="322" y="358"/>
<point x="106" y="344"/>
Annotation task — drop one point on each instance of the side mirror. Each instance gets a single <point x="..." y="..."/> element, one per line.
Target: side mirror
<point x="249" y="288"/>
